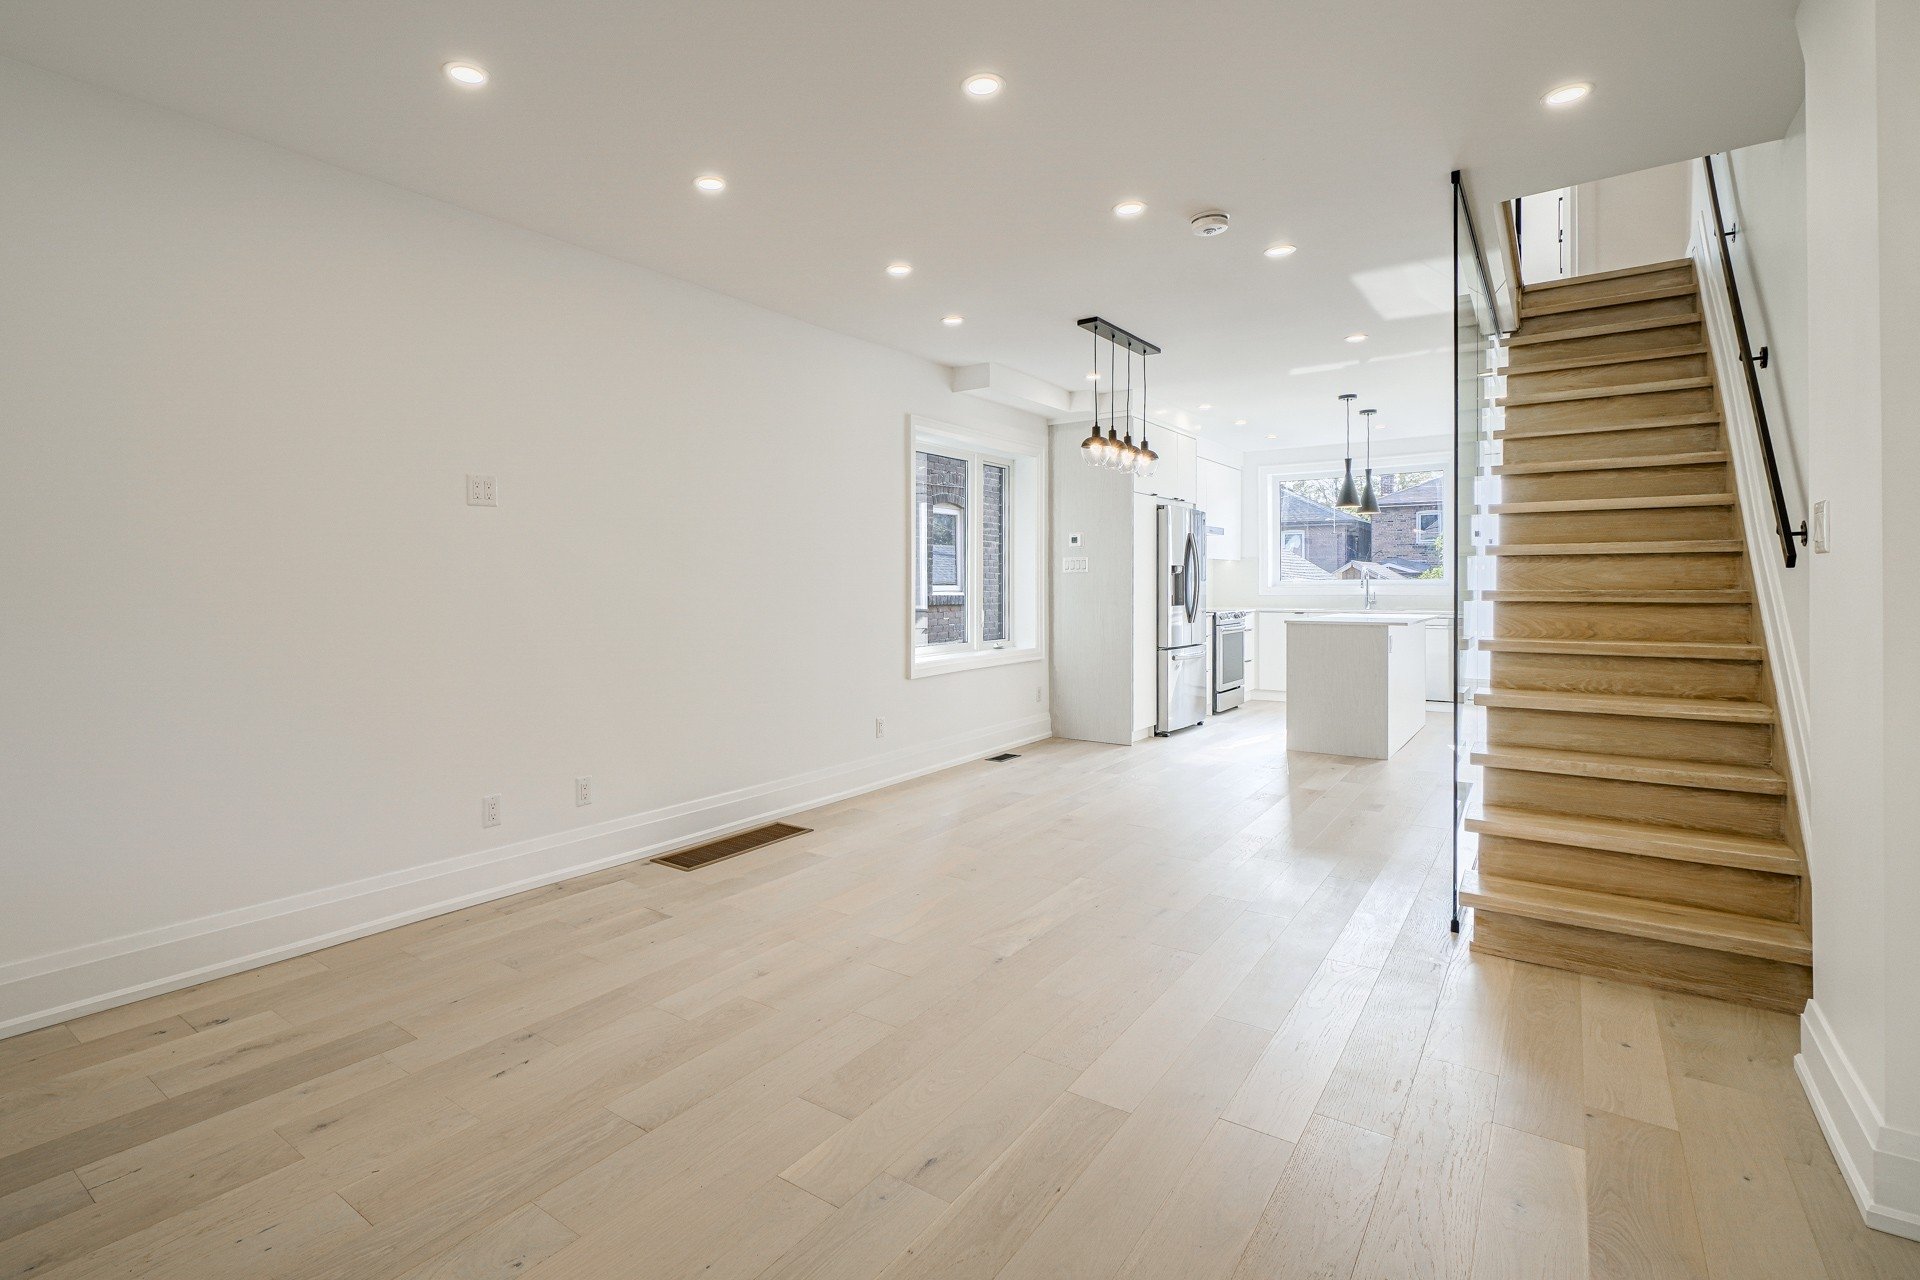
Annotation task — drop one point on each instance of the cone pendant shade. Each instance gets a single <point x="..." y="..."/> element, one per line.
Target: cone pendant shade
<point x="1349" y="498"/>
<point x="1369" y="501"/>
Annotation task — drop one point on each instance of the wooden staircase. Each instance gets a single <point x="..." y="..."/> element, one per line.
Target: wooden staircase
<point x="1636" y="819"/>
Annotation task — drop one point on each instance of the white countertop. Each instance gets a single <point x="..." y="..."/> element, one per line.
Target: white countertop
<point x="1382" y="617"/>
<point x="1360" y="618"/>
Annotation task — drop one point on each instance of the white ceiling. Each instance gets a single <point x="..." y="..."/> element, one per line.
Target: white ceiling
<point x="842" y="130"/>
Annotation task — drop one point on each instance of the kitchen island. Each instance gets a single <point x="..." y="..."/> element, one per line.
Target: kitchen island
<point x="1356" y="682"/>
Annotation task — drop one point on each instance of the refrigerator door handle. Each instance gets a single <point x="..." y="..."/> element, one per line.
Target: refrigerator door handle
<point x="1190" y="563"/>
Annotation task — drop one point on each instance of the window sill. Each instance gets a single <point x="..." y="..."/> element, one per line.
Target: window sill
<point x="972" y="660"/>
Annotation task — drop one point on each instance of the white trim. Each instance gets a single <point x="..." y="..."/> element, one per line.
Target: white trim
<point x="1023" y="560"/>
<point x="947" y="659"/>
<point x="1881" y="1164"/>
<point x="1750" y="482"/>
<point x="55" y="987"/>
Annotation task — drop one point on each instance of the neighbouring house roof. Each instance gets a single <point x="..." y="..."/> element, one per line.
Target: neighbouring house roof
<point x="1425" y="494"/>
<point x="1295" y="509"/>
<point x="1353" y="568"/>
<point x="1301" y="569"/>
<point x="1408" y="566"/>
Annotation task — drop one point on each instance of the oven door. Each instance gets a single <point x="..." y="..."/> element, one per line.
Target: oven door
<point x="1229" y="658"/>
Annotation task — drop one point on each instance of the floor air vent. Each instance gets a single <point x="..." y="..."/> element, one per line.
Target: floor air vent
<point x="712" y="851"/>
<point x="1005" y="755"/>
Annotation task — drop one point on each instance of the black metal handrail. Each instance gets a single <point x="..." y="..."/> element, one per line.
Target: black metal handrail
<point x="1782" y="522"/>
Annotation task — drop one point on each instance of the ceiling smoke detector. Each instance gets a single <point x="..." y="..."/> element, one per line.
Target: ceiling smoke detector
<point x="1210" y="224"/>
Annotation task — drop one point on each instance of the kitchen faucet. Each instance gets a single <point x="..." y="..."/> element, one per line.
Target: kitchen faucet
<point x="1366" y="589"/>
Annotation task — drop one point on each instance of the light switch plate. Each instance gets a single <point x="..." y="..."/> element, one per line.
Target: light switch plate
<point x="1074" y="564"/>
<point x="1822" y="528"/>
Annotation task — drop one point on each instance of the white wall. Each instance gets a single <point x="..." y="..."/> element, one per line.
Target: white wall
<point x="1861" y="1032"/>
<point x="1763" y="193"/>
<point x="1632" y="220"/>
<point x="260" y="660"/>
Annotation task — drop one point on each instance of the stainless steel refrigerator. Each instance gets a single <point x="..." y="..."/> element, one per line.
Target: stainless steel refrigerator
<point x="1181" y="617"/>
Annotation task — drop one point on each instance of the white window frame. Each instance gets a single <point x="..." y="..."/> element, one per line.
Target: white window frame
<point x="1424" y="536"/>
<point x="1273" y="476"/>
<point x="1022" y="568"/>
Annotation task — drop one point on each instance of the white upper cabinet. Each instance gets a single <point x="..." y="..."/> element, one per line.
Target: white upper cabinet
<point x="1176" y="476"/>
<point x="1219" y="497"/>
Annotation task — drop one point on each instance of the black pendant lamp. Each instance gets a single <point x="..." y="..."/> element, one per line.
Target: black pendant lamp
<point x="1148" y="459"/>
<point x="1094" y="446"/>
<point x="1349" y="499"/>
<point x="1369" y="503"/>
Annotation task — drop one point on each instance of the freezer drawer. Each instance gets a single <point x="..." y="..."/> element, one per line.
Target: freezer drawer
<point x="1183" y="688"/>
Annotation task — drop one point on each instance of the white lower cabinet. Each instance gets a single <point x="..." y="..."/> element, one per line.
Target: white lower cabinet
<point x="1270" y="654"/>
<point x="1440" y="661"/>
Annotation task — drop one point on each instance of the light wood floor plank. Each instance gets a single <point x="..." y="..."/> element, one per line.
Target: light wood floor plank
<point x="1533" y="1210"/>
<point x="1203" y="1228"/>
<point x="1641" y="1223"/>
<point x="1313" y="1226"/>
<point x="1426" y="1214"/>
<point x="998" y="1021"/>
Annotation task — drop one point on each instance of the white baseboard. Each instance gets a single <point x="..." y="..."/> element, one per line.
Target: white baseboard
<point x="1881" y="1164"/>
<point x="46" y="989"/>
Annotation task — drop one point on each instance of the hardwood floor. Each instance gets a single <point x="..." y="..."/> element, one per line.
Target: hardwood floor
<point x="1189" y="1009"/>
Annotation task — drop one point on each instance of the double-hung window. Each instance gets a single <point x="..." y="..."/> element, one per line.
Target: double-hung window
<point x="975" y="544"/>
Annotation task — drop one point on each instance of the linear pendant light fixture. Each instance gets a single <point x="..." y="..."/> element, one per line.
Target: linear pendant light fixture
<point x="1369" y="502"/>
<point x="1112" y="450"/>
<point x="1349" y="499"/>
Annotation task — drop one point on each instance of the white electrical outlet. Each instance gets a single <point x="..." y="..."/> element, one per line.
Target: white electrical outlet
<point x="583" y="791"/>
<point x="489" y="811"/>
<point x="480" y="491"/>
<point x="879" y="728"/>
<point x="1037" y="693"/>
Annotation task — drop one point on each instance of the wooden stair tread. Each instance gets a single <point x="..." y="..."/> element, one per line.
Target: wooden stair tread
<point x="1641" y="918"/>
<point x="1628" y="704"/>
<point x="1575" y="596"/>
<point x="1602" y="329"/>
<point x="1619" y="273"/>
<point x="1636" y="462"/>
<point x="1627" y="648"/>
<point x="1551" y="306"/>
<point x="1567" y="394"/>
<point x="1602" y="360"/>
<point x="1651" y="502"/>
<point x="1751" y="779"/>
<point x="1697" y="546"/>
<point x="1589" y="427"/>
<point x="1675" y="844"/>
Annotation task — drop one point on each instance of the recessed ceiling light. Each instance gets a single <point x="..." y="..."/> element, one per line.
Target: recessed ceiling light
<point x="1239" y="422"/>
<point x="1279" y="250"/>
<point x="1356" y="337"/>
<point x="984" y="85"/>
<point x="1566" y="94"/>
<point x="1205" y="407"/>
<point x="899" y="269"/>
<point x="1094" y="376"/>
<point x="1129" y="209"/>
<point x="711" y="183"/>
<point x="953" y="322"/>
<point x="1271" y="436"/>
<point x="471" y="75"/>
